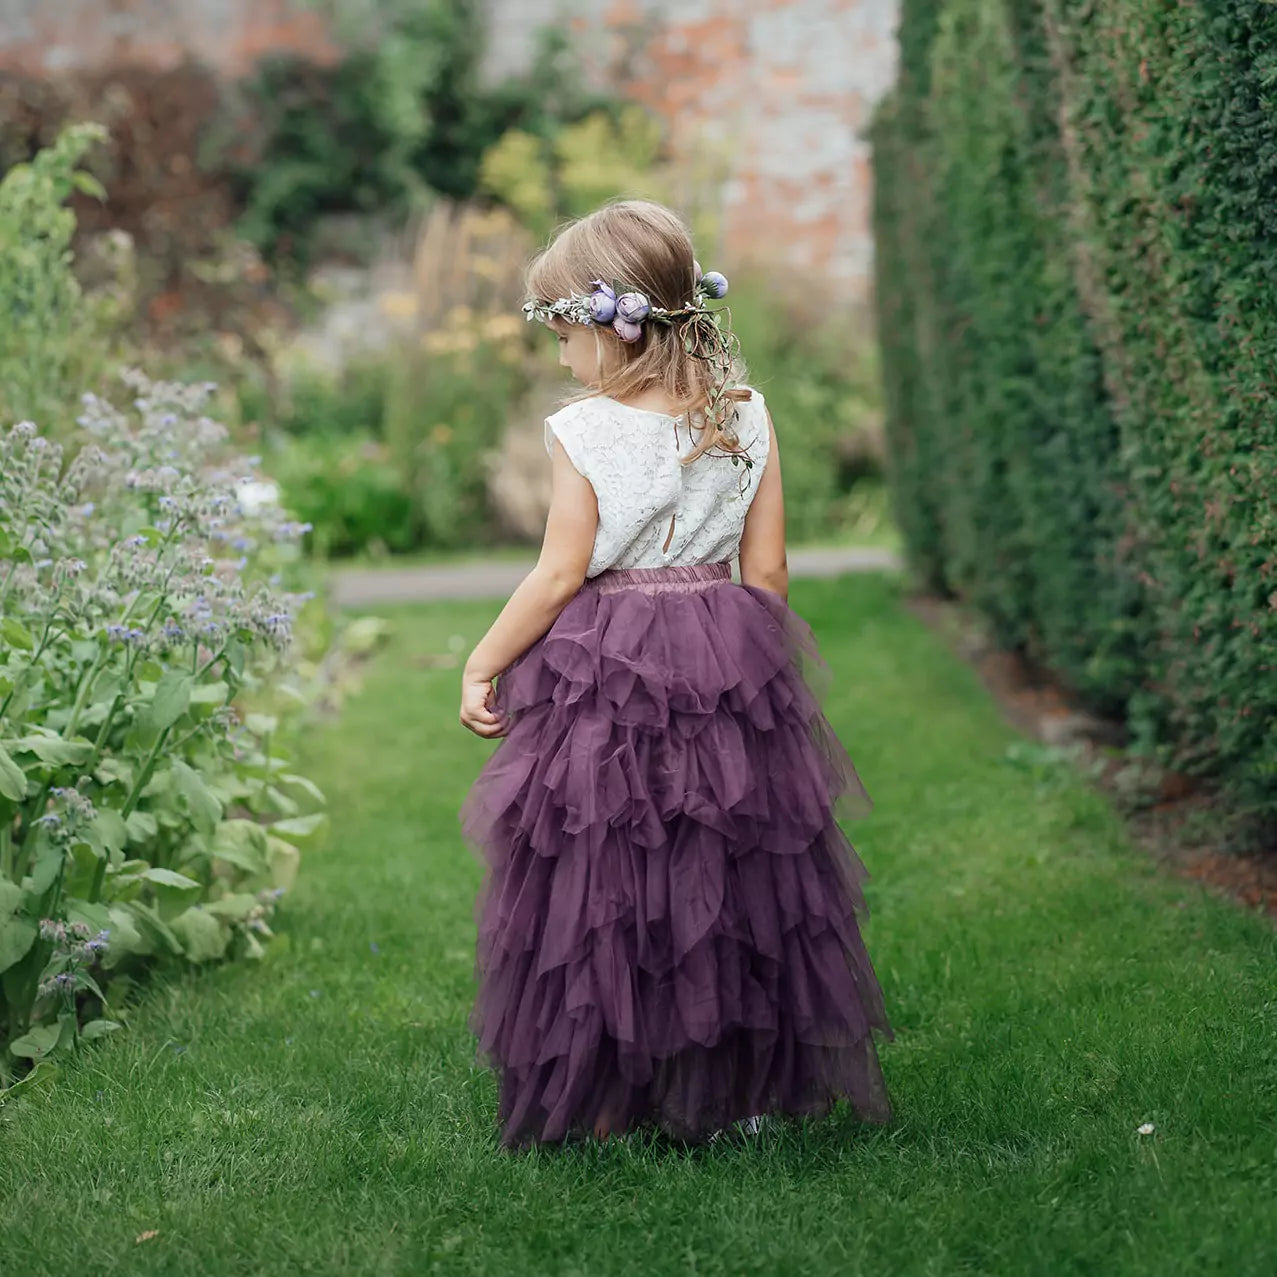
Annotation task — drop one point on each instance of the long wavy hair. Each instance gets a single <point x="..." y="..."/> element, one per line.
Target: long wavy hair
<point x="646" y="247"/>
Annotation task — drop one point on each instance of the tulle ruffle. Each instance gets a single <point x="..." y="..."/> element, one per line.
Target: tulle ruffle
<point x="668" y="923"/>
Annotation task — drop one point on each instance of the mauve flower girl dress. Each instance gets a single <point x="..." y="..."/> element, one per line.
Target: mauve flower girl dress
<point x="668" y="927"/>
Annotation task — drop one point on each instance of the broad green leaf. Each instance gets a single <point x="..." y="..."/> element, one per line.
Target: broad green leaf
<point x="54" y="750"/>
<point x="115" y="770"/>
<point x="156" y="933"/>
<point x="125" y="936"/>
<point x="13" y="780"/>
<point x="48" y="864"/>
<point x="281" y="803"/>
<point x="172" y="696"/>
<point x="204" y="806"/>
<point x="209" y="694"/>
<point x="16" y="634"/>
<point x="306" y="785"/>
<point x="142" y="827"/>
<point x="284" y="860"/>
<point x="202" y="936"/>
<point x="66" y="1029"/>
<point x="83" y="858"/>
<point x="241" y="843"/>
<point x="300" y="828"/>
<point x="99" y="1029"/>
<point x="106" y="689"/>
<point x="234" y="908"/>
<point x="96" y="916"/>
<point x="10" y="897"/>
<point x="111" y="829"/>
<point x="39" y="1041"/>
<point x="91" y="984"/>
<point x="170" y="878"/>
<point x="17" y="935"/>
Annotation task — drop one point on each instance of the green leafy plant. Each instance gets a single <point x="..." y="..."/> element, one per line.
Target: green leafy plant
<point x="147" y="808"/>
<point x="1076" y="216"/>
<point x="349" y="490"/>
<point x="53" y="335"/>
<point x="404" y="115"/>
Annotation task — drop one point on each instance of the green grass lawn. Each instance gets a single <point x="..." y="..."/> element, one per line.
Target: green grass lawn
<point x="322" y="1113"/>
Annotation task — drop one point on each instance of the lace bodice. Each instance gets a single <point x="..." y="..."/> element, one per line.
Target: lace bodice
<point x="631" y="458"/>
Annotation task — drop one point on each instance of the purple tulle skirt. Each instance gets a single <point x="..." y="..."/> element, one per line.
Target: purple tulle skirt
<point x="668" y="921"/>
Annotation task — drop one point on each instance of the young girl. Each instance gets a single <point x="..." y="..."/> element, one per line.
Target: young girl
<point x="667" y="926"/>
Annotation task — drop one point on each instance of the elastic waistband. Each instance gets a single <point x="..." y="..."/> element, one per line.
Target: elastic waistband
<point x="671" y="580"/>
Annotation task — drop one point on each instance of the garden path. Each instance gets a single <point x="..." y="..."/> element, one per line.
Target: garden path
<point x="366" y="587"/>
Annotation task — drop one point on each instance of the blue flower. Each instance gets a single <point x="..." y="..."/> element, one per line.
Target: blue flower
<point x="714" y="284"/>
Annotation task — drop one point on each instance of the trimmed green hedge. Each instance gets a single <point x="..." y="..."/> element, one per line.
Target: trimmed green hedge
<point x="1076" y="214"/>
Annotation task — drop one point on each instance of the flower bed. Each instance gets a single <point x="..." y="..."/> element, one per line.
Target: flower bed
<point x="147" y="808"/>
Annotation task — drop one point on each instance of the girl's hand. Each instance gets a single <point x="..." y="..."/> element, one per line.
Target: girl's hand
<point x="477" y="713"/>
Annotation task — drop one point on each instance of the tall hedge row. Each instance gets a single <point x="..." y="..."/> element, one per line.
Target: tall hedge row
<point x="1076" y="212"/>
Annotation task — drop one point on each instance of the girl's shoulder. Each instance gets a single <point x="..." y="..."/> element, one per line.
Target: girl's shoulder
<point x="580" y="426"/>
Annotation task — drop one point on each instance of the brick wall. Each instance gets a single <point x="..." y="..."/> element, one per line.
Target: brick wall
<point x="781" y="89"/>
<point x="776" y="91"/>
<point x="51" y="37"/>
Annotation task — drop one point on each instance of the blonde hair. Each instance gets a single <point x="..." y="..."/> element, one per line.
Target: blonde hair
<point x="646" y="247"/>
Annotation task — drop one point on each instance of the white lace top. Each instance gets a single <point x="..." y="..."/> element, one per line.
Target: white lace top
<point x="631" y="458"/>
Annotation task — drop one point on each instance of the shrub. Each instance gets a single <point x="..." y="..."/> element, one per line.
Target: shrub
<point x="544" y="180"/>
<point x="404" y="116"/>
<point x="146" y="807"/>
<point x="1076" y="218"/>
<point x="818" y="374"/>
<point x="53" y="334"/>
<point x="350" y="492"/>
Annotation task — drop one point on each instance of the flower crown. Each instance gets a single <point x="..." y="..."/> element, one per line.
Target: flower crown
<point x="626" y="310"/>
<point x="705" y="337"/>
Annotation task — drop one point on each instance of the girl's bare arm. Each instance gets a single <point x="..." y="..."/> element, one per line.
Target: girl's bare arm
<point x="540" y="596"/>
<point x="762" y="544"/>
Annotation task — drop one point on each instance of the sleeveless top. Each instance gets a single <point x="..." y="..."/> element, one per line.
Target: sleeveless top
<point x="631" y="458"/>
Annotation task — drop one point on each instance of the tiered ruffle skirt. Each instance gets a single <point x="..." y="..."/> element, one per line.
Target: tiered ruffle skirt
<point x="667" y="928"/>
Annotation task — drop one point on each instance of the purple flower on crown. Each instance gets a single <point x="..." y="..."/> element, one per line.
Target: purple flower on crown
<point x="627" y="329"/>
<point x="714" y="284"/>
<point x="602" y="303"/>
<point x="633" y="307"/>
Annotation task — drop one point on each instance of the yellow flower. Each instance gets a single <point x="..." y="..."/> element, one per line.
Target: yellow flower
<point x="502" y="328"/>
<point x="439" y="342"/>
<point x="398" y="305"/>
<point x="441" y="433"/>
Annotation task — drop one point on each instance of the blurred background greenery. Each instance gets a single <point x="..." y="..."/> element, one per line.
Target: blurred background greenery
<point x="347" y="266"/>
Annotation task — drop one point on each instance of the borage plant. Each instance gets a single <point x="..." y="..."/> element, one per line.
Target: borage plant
<point x="146" y="807"/>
